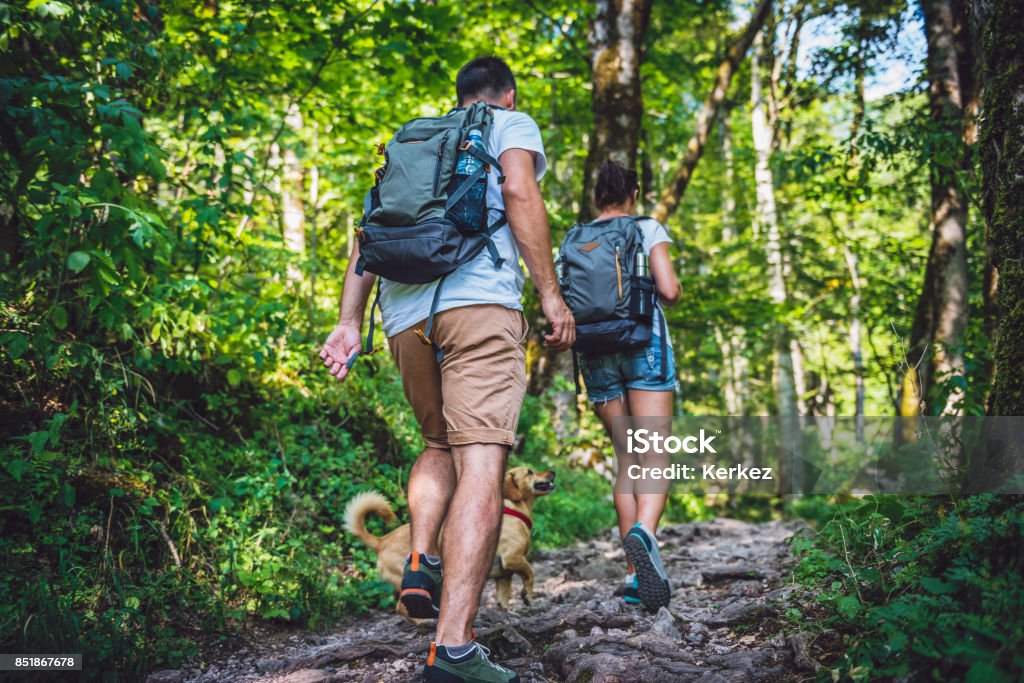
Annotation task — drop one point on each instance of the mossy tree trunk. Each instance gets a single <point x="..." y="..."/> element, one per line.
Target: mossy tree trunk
<point x="617" y="37"/>
<point x="616" y="47"/>
<point x="1002" y="163"/>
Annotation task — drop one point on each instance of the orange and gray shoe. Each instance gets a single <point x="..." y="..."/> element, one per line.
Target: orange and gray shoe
<point x="421" y="586"/>
<point x="472" y="665"/>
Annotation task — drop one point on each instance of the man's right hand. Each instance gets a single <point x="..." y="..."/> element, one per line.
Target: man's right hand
<point x="563" y="325"/>
<point x="341" y="345"/>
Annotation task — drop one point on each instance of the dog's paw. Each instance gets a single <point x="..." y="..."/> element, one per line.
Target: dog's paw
<point x="527" y="597"/>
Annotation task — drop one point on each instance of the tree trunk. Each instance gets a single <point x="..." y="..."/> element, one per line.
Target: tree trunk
<point x="674" y="190"/>
<point x="731" y="341"/>
<point x="935" y="352"/>
<point x="314" y="214"/>
<point x="729" y="231"/>
<point x="616" y="42"/>
<point x="617" y="36"/>
<point x="293" y="210"/>
<point x="1002" y="161"/>
<point x="978" y="16"/>
<point x="796" y="352"/>
<point x="853" y="174"/>
<point x="768" y="225"/>
<point x="856" y="346"/>
<point x="789" y="73"/>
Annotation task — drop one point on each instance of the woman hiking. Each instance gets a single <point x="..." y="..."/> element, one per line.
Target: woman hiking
<point x="633" y="384"/>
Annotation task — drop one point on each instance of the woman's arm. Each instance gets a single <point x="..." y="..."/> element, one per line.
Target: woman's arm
<point x="665" y="280"/>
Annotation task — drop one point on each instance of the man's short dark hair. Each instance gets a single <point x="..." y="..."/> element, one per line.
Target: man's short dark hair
<point x="487" y="77"/>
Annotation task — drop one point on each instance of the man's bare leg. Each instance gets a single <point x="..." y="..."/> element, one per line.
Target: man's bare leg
<point x="470" y="537"/>
<point x="431" y="485"/>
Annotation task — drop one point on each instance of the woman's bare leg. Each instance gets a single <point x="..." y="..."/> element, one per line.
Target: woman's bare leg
<point x="625" y="501"/>
<point x="648" y="404"/>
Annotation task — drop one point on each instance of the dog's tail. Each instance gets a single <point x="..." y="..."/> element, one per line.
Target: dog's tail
<point x="359" y="507"/>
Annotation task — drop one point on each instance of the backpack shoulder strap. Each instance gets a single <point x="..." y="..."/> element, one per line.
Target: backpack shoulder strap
<point x="638" y="231"/>
<point x="636" y="220"/>
<point x="367" y="208"/>
<point x="664" y="341"/>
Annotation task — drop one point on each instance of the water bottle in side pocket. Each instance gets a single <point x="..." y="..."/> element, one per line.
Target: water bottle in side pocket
<point x="642" y="303"/>
<point x="470" y="211"/>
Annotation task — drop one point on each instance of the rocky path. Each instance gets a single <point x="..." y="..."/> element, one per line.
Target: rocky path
<point x="724" y="623"/>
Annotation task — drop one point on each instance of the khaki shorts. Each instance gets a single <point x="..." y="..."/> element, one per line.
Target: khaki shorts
<point x="475" y="394"/>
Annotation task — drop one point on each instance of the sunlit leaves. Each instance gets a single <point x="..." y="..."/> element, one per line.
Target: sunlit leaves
<point x="77" y="260"/>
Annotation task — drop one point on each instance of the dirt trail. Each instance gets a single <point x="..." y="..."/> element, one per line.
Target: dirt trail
<point x="731" y="587"/>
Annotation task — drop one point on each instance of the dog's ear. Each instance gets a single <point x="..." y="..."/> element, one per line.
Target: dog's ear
<point x="509" y="488"/>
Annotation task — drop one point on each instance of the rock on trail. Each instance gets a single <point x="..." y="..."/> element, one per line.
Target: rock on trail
<point x="730" y="583"/>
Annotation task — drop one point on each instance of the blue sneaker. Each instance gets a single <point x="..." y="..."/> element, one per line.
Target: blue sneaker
<point x="630" y="594"/>
<point x="652" y="581"/>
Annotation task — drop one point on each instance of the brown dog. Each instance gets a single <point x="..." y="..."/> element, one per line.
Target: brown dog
<point x="521" y="487"/>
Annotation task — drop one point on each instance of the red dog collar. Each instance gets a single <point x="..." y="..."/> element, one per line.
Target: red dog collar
<point x="518" y="515"/>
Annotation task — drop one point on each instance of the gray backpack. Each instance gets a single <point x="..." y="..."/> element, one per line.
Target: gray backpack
<point x="421" y="219"/>
<point x="612" y="304"/>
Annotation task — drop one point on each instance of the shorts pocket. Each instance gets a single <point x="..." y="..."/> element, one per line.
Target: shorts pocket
<point x="595" y="368"/>
<point x="646" y="365"/>
<point x="525" y="327"/>
<point x="515" y="326"/>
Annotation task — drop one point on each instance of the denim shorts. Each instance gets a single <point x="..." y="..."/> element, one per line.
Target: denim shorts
<point x="608" y="375"/>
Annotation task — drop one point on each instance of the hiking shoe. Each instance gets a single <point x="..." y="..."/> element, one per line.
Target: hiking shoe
<point x="421" y="587"/>
<point x="652" y="581"/>
<point x="630" y="592"/>
<point x="474" y="666"/>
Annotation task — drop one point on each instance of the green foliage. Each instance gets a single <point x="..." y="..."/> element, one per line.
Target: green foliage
<point x="173" y="460"/>
<point x="920" y="587"/>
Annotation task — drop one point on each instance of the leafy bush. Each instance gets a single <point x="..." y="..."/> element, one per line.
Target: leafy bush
<point x="921" y="587"/>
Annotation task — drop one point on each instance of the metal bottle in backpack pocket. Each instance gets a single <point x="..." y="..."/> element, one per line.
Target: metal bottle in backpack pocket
<point x="467" y="212"/>
<point x="642" y="269"/>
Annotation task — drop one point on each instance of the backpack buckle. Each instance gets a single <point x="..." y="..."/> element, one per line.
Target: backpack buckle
<point x="380" y="149"/>
<point x="424" y="339"/>
<point x="464" y="147"/>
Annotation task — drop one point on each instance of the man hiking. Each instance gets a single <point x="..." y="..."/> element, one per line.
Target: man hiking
<point x="461" y="355"/>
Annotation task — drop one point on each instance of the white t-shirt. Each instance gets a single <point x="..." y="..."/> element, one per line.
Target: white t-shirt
<point x="476" y="282"/>
<point x="654" y="233"/>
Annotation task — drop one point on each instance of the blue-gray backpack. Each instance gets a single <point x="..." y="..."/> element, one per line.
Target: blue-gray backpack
<point x="612" y="303"/>
<point x="422" y="219"/>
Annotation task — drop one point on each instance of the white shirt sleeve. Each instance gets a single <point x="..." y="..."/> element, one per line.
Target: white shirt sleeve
<point x="654" y="233"/>
<point x="519" y="131"/>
